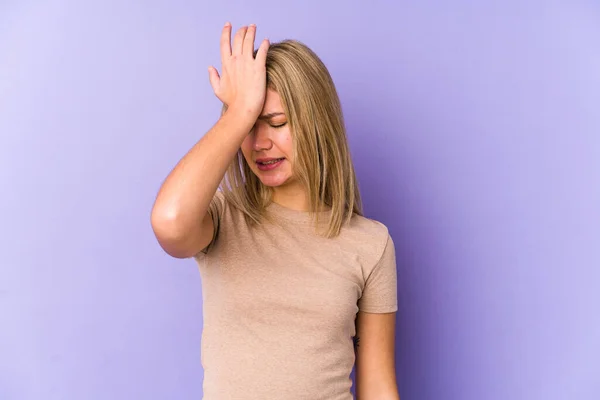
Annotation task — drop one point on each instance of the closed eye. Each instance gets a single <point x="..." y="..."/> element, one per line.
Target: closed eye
<point x="279" y="126"/>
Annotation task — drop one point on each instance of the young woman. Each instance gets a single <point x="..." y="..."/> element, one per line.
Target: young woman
<point x="297" y="284"/>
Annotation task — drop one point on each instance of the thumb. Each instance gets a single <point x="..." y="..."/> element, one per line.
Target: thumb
<point x="214" y="78"/>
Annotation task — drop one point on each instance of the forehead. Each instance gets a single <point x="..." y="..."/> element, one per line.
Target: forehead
<point x="272" y="103"/>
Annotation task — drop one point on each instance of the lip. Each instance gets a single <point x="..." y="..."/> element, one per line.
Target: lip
<point x="259" y="160"/>
<point x="268" y="167"/>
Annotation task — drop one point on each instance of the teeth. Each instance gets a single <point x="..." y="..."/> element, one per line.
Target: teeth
<point x="271" y="162"/>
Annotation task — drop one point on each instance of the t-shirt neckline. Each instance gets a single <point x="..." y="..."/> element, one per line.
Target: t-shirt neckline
<point x="289" y="214"/>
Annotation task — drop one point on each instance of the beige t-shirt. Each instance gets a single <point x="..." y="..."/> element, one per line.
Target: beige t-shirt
<point x="280" y="303"/>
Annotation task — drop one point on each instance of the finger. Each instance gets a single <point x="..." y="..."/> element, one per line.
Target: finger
<point x="214" y="78"/>
<point x="226" y="42"/>
<point x="238" y="40"/>
<point x="261" y="53"/>
<point x="248" y="48"/>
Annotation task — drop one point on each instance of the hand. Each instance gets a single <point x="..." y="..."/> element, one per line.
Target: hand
<point x="242" y="84"/>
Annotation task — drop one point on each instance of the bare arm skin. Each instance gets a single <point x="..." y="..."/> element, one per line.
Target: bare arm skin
<point x="375" y="367"/>
<point x="180" y="218"/>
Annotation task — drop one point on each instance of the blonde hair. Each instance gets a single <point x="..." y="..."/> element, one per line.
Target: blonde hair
<point x="322" y="160"/>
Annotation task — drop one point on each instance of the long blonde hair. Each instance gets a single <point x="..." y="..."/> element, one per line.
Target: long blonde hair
<point x="322" y="161"/>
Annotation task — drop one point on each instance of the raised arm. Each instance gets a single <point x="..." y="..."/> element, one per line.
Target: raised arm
<point x="180" y="218"/>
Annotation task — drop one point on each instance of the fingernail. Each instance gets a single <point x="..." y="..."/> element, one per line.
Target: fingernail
<point x="227" y="23"/>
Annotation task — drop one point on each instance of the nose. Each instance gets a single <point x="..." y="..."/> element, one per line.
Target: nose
<point x="262" y="139"/>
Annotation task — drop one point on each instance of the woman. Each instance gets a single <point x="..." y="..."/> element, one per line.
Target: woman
<point x="293" y="275"/>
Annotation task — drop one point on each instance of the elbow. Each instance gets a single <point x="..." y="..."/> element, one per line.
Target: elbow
<point x="169" y="232"/>
<point x="380" y="396"/>
<point x="165" y="222"/>
<point x="380" y="389"/>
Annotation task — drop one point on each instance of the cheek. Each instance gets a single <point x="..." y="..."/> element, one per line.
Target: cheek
<point x="247" y="149"/>
<point x="286" y="144"/>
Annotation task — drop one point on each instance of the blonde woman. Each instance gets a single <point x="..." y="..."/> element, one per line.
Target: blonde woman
<point x="298" y="285"/>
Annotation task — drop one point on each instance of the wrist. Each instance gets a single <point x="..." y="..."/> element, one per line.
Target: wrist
<point x="242" y="118"/>
<point x="243" y="113"/>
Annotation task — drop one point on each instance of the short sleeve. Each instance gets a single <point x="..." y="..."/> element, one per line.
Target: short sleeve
<point x="215" y="209"/>
<point x="380" y="291"/>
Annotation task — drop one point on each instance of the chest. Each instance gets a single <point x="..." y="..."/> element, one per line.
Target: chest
<point x="284" y="277"/>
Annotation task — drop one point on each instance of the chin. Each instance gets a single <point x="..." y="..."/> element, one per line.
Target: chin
<point x="273" y="182"/>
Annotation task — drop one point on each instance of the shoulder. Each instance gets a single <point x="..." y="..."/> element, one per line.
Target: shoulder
<point x="368" y="226"/>
<point x="367" y="237"/>
<point x="219" y="204"/>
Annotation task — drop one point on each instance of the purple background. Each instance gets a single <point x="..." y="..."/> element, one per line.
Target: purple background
<point x="476" y="135"/>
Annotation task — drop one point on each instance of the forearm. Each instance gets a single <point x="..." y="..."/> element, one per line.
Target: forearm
<point x="185" y="195"/>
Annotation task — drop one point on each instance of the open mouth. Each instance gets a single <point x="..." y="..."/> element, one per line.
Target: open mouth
<point x="269" y="165"/>
<point x="270" y="162"/>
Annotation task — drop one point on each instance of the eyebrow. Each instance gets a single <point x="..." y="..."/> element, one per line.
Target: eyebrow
<point x="270" y="115"/>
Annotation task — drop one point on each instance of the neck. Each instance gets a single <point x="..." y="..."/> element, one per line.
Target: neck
<point x="293" y="197"/>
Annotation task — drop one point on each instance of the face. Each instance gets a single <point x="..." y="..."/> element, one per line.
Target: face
<point x="268" y="147"/>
